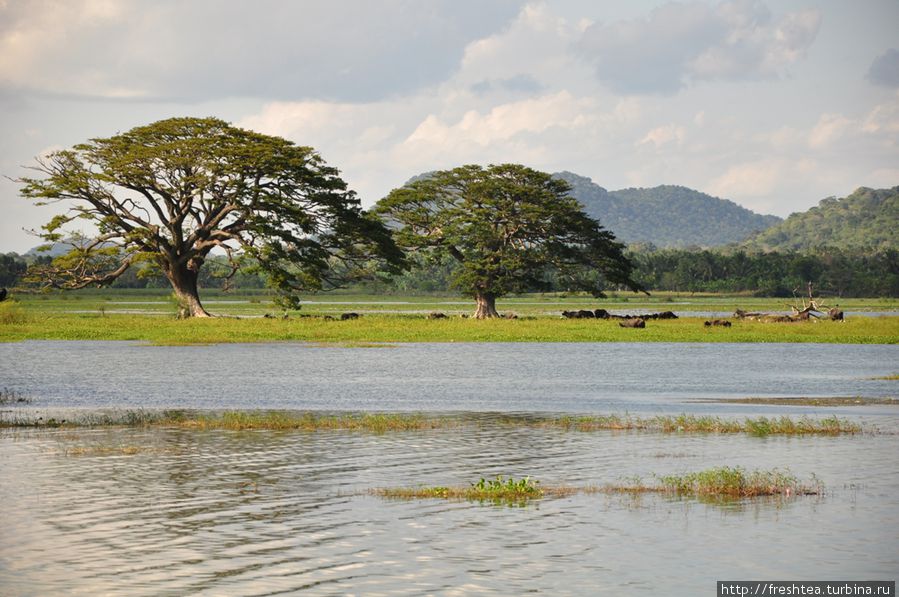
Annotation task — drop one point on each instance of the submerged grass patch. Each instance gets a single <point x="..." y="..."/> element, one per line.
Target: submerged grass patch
<point x="498" y="490"/>
<point x="685" y="423"/>
<point x="285" y="420"/>
<point x="723" y="482"/>
<point x="736" y="482"/>
<point x="8" y="397"/>
<point x="825" y="401"/>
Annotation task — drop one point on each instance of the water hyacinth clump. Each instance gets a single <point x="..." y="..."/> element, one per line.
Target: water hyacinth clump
<point x="499" y="489"/>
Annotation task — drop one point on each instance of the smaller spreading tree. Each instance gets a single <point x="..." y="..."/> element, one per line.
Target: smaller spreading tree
<point x="509" y="228"/>
<point x="166" y="195"/>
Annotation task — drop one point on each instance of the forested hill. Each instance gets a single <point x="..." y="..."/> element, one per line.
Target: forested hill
<point x="866" y="220"/>
<point x="667" y="216"/>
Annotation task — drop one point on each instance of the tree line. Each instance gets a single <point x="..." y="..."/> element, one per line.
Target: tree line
<point x="835" y="272"/>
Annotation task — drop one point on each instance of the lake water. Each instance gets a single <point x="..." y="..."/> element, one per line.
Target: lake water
<point x="177" y="512"/>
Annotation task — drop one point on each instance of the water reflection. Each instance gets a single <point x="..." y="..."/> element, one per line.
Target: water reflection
<point x="170" y="511"/>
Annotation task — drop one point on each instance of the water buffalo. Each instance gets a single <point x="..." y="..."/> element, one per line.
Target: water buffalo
<point x="636" y="322"/>
<point x="3" y="294"/>
<point x="722" y="322"/>
<point x="345" y="316"/>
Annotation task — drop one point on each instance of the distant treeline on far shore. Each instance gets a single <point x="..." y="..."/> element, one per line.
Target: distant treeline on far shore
<point x="833" y="272"/>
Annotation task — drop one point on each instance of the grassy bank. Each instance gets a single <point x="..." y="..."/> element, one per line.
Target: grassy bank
<point x="278" y="420"/>
<point x="17" y="324"/>
<point x="148" y="316"/>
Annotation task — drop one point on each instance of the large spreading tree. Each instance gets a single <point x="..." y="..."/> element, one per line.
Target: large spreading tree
<point x="509" y="228"/>
<point x="168" y="194"/>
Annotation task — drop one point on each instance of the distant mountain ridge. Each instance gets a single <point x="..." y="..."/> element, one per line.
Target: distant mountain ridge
<point x="667" y="215"/>
<point x="866" y="220"/>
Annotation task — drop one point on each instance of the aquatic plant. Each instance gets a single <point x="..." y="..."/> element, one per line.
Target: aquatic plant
<point x="737" y="482"/>
<point x="285" y="420"/>
<point x="722" y="482"/>
<point x="8" y="396"/>
<point x="499" y="489"/>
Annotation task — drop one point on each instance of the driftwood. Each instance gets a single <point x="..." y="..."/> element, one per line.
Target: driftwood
<point x="811" y="310"/>
<point x="717" y="322"/>
<point x="635" y="322"/>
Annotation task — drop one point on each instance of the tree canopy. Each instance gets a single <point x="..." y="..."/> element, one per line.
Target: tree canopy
<point x="166" y="195"/>
<point x="509" y="228"/>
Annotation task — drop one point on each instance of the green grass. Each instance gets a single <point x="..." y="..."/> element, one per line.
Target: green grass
<point x="149" y="317"/>
<point x="735" y="482"/>
<point x="498" y="490"/>
<point x="685" y="423"/>
<point x="279" y="420"/>
<point x="397" y="328"/>
<point x="720" y="483"/>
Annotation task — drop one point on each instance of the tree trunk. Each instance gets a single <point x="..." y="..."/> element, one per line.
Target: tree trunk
<point x="184" y="283"/>
<point x="486" y="306"/>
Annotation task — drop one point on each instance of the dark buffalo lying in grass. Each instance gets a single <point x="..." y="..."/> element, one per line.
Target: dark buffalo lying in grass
<point x="717" y="322"/>
<point x="635" y="322"/>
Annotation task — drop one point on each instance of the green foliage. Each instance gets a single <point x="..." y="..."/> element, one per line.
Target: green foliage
<point x="169" y="193"/>
<point x="833" y="272"/>
<point x="12" y="268"/>
<point x="498" y="490"/>
<point x="865" y="221"/>
<point x="508" y="227"/>
<point x="736" y="482"/>
<point x="666" y="216"/>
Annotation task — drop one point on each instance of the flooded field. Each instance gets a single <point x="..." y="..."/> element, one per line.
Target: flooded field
<point x="151" y="511"/>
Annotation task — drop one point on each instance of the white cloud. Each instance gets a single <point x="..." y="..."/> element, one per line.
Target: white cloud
<point x="829" y="129"/>
<point x="682" y="43"/>
<point x="883" y="118"/>
<point x="316" y="49"/>
<point x="663" y="135"/>
<point x="752" y="179"/>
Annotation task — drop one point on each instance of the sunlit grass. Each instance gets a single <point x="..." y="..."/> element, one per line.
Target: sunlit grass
<point x="369" y="329"/>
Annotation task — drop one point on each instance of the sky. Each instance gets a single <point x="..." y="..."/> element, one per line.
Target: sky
<point x="773" y="105"/>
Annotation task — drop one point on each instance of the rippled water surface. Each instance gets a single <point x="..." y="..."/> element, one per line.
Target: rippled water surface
<point x="126" y="511"/>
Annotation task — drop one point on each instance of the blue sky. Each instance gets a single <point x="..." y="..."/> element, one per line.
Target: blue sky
<point x="774" y="105"/>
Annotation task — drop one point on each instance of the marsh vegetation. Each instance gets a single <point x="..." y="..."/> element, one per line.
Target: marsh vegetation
<point x="281" y="420"/>
<point x="720" y="482"/>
